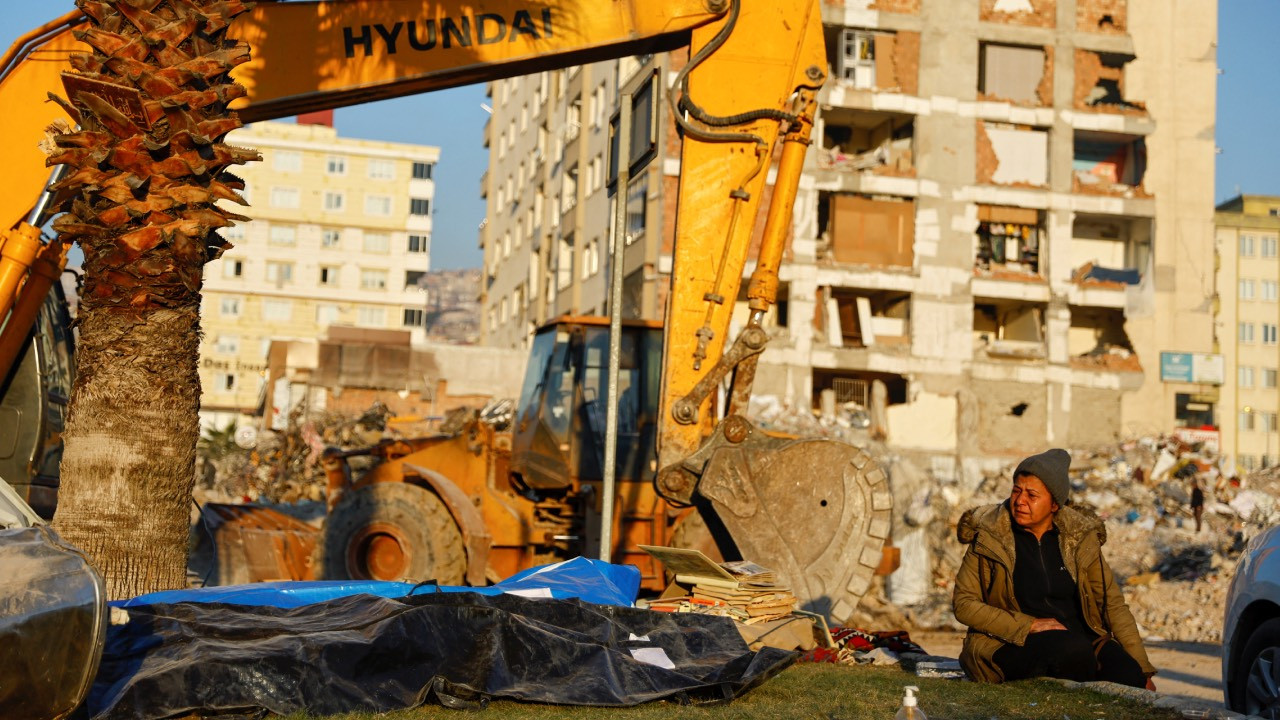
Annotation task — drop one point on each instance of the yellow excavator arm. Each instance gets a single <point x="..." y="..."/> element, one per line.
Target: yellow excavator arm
<point x="760" y="67"/>
<point x="745" y="105"/>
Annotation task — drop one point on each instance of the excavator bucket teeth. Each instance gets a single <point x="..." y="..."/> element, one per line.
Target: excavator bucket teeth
<point x="815" y="511"/>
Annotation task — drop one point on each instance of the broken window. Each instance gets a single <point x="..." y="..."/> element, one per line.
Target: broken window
<point x="1108" y="164"/>
<point x="1109" y="251"/>
<point x="857" y="141"/>
<point x="868" y="230"/>
<point x="1097" y="340"/>
<point x="1009" y="239"/>
<point x="1015" y="73"/>
<point x="1009" y="328"/>
<point x="857" y="398"/>
<point x="1100" y="82"/>
<point x="863" y="318"/>
<point x="875" y="59"/>
<point x="1012" y="155"/>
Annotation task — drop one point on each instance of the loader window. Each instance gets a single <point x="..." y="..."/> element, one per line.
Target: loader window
<point x="535" y="372"/>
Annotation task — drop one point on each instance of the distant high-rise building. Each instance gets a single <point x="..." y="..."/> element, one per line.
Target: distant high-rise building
<point x="1006" y="218"/>
<point x="341" y="234"/>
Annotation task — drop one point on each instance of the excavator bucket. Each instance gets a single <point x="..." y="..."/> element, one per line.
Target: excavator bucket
<point x="237" y="544"/>
<point x="816" y="511"/>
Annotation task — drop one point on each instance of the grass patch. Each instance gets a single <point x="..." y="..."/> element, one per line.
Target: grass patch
<point x="829" y="692"/>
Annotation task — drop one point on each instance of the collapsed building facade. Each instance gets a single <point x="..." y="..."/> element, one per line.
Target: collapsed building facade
<point x="1005" y="221"/>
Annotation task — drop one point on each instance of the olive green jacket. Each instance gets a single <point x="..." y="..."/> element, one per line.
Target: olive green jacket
<point x="984" y="597"/>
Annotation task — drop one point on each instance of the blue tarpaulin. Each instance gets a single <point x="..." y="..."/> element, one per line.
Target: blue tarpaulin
<point x="593" y="581"/>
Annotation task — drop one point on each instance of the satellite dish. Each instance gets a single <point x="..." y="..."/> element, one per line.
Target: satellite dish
<point x="247" y="437"/>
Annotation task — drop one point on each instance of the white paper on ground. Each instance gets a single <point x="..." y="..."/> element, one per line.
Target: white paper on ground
<point x="653" y="656"/>
<point x="544" y="593"/>
<point x="640" y="638"/>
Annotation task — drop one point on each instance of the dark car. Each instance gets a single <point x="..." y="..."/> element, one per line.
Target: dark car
<point x="1251" y="630"/>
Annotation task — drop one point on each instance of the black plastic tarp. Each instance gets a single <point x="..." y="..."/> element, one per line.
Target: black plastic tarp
<point x="377" y="654"/>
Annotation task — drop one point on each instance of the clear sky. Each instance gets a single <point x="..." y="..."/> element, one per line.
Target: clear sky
<point x="1248" y="103"/>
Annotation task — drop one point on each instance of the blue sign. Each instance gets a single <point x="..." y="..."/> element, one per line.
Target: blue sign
<point x="1175" y="367"/>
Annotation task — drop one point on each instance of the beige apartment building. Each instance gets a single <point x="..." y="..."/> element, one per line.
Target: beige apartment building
<point x="341" y="235"/>
<point x="1006" y="218"/>
<point x="1248" y="280"/>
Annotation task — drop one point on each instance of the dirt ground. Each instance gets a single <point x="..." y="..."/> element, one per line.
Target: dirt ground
<point x="1191" y="670"/>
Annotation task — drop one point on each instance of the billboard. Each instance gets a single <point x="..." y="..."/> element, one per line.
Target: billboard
<point x="1203" y="368"/>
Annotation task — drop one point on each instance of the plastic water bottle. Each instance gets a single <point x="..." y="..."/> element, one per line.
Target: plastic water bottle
<point x="910" y="710"/>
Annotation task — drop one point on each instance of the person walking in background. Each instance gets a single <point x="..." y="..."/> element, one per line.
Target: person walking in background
<point x="1035" y="591"/>
<point x="1197" y="502"/>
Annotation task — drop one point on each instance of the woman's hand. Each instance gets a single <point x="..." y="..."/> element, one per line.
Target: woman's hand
<point x="1042" y="624"/>
<point x="1151" y="684"/>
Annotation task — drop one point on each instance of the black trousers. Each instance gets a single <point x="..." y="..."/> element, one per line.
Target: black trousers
<point x="1067" y="655"/>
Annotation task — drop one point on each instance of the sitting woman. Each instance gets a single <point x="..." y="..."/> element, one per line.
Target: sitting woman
<point x="1037" y="596"/>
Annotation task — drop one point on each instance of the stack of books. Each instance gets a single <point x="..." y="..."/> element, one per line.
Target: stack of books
<point x="742" y="590"/>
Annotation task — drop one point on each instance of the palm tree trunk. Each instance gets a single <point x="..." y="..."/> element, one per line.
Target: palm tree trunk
<point x="146" y="167"/>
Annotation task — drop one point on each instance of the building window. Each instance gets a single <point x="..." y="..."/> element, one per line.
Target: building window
<point x="382" y="169"/>
<point x="376" y="242"/>
<point x="230" y="307"/>
<point x="1246" y="332"/>
<point x="227" y="345"/>
<point x="1246" y="246"/>
<point x="419" y="243"/>
<point x="1269" y="421"/>
<point x="336" y="165"/>
<point x="564" y="262"/>
<point x="227" y="382"/>
<point x="637" y="200"/>
<point x="1244" y="376"/>
<point x="233" y="232"/>
<point x="414" y="317"/>
<point x="329" y="275"/>
<point x="326" y="314"/>
<point x="1246" y="289"/>
<point x="371" y="317"/>
<point x="373" y="279"/>
<point x="232" y="268"/>
<point x="1009" y="239"/>
<point x="1268" y="247"/>
<point x="1246" y="420"/>
<point x="1248" y="462"/>
<point x="284" y="197"/>
<point x="279" y="272"/>
<point x="414" y="278"/>
<point x="1268" y="378"/>
<point x="334" y="201"/>
<point x="419" y="206"/>
<point x="287" y="160"/>
<point x="330" y="237"/>
<point x="284" y="235"/>
<point x="274" y="310"/>
<point x="1268" y="333"/>
<point x="423" y="170"/>
<point x="1269" y="290"/>
<point x="569" y="192"/>
<point x="377" y="205"/>
<point x="591" y="259"/>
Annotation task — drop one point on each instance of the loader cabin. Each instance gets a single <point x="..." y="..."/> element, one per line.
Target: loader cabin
<point x="559" y="427"/>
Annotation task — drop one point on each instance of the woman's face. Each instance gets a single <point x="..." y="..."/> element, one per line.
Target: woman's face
<point x="1033" y="506"/>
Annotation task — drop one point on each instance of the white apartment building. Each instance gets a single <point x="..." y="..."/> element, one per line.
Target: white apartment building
<point x="341" y="235"/>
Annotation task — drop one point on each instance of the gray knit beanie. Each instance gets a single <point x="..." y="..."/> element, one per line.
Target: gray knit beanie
<point x="1051" y="467"/>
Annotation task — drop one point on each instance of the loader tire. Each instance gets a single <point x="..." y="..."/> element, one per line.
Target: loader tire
<point x="391" y="531"/>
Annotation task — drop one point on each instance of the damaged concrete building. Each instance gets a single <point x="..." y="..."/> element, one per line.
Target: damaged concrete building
<point x="1006" y="218"/>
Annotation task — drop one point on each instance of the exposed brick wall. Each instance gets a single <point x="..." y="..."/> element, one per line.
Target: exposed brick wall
<point x="1102" y="16"/>
<point x="1089" y="70"/>
<point x="1044" y="91"/>
<point x="986" y="156"/>
<point x="906" y="61"/>
<point x="1043" y="14"/>
<point x="910" y="7"/>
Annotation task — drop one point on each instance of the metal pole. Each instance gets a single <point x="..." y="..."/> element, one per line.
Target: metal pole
<point x="615" y="328"/>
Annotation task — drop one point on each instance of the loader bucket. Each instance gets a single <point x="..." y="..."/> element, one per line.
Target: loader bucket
<point x="237" y="544"/>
